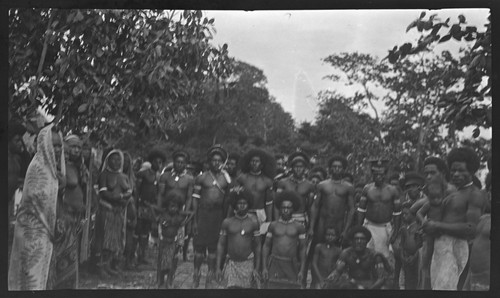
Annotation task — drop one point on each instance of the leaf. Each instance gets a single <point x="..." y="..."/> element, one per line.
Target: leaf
<point x="461" y="19"/>
<point x="422" y="15"/>
<point x="412" y="25"/>
<point x="82" y="108"/>
<point x="79" y="16"/>
<point x="99" y="52"/>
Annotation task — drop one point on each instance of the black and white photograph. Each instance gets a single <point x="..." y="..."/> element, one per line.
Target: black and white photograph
<point x="308" y="149"/>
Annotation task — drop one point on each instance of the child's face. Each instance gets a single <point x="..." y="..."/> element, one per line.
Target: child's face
<point x="330" y="236"/>
<point x="408" y="217"/>
<point x="434" y="192"/>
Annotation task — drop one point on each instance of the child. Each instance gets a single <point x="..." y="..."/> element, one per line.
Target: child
<point x="431" y="210"/>
<point x="170" y="223"/>
<point x="324" y="258"/>
<point x="131" y="237"/>
<point x="411" y="241"/>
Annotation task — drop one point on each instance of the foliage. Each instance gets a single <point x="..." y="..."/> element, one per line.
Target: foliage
<point x="467" y="107"/>
<point x="121" y="74"/>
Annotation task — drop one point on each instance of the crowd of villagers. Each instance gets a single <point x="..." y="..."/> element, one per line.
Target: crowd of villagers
<point x="256" y="220"/>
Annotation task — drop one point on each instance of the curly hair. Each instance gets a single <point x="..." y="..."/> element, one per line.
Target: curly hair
<point x="359" y="229"/>
<point x="156" y="153"/>
<point x="268" y="162"/>
<point x="173" y="196"/>
<point x="439" y="163"/>
<point x="320" y="170"/>
<point x="342" y="159"/>
<point x="244" y="194"/>
<point x="234" y="156"/>
<point x="290" y="196"/>
<point x="464" y="154"/>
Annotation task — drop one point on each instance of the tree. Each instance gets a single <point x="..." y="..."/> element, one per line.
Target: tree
<point x="471" y="106"/>
<point x="121" y="74"/>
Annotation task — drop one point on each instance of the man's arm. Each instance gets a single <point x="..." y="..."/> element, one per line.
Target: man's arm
<point x="396" y="215"/>
<point x="221" y="248"/>
<point x="302" y="251"/>
<point x="418" y="204"/>
<point x="269" y="199"/>
<point x="189" y="194"/>
<point x="314" y="211"/>
<point x="256" y="247"/>
<point x="266" y="249"/>
<point x="380" y="270"/>
<point x="350" y="212"/>
<point x="279" y="188"/>
<point x="422" y="212"/>
<point x="363" y="202"/>
<point x="161" y="188"/>
<point x="339" y="269"/>
<point x="196" y="196"/>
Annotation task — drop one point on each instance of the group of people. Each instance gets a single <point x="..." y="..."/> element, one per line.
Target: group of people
<point x="253" y="222"/>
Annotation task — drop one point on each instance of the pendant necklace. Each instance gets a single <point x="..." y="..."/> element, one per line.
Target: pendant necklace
<point x="242" y="229"/>
<point x="215" y="181"/>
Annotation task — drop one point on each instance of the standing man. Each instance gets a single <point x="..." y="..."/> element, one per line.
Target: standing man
<point x="335" y="202"/>
<point x="177" y="179"/>
<point x="316" y="175"/>
<point x="147" y="192"/>
<point x="210" y="191"/>
<point x="460" y="215"/>
<point x="239" y="241"/>
<point x="379" y="205"/>
<point x="298" y="183"/>
<point x="257" y="168"/>
<point x="285" y="240"/>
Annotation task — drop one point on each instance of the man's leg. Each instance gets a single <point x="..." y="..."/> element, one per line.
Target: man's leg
<point x="199" y="254"/>
<point x="211" y="262"/>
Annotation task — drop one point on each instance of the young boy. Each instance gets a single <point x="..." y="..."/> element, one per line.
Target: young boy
<point x="411" y="241"/>
<point x="324" y="258"/>
<point x="170" y="223"/>
<point x="431" y="210"/>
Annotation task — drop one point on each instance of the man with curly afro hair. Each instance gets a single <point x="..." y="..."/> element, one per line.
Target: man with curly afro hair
<point x="285" y="240"/>
<point x="258" y="167"/>
<point x="460" y="215"/>
<point x="147" y="182"/>
<point x="240" y="238"/>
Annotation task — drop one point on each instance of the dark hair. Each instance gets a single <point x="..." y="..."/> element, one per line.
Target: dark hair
<point x="464" y="154"/>
<point x="342" y="159"/>
<point x="244" y="194"/>
<point x="156" y="153"/>
<point x="287" y="195"/>
<point x="359" y="229"/>
<point x="268" y="162"/>
<point x="15" y="129"/>
<point x="173" y="196"/>
<point x="318" y="170"/>
<point x="234" y="156"/>
<point x="279" y="156"/>
<point x="439" y="163"/>
<point x="329" y="227"/>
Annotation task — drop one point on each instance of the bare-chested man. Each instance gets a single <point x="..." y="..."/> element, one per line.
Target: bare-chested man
<point x="177" y="179"/>
<point x="480" y="258"/>
<point x="147" y="192"/>
<point x="380" y="204"/>
<point x="239" y="241"/>
<point x="335" y="202"/>
<point x="257" y="168"/>
<point x="210" y="191"/>
<point x="285" y="240"/>
<point x="298" y="183"/>
<point x="460" y="215"/>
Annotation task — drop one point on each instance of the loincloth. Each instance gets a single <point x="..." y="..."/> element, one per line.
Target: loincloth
<point x="448" y="261"/>
<point x="239" y="273"/>
<point x="381" y="234"/>
<point x="283" y="273"/>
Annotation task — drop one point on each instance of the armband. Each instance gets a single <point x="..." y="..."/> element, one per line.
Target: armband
<point x="269" y="202"/>
<point x="222" y="233"/>
<point x="361" y="210"/>
<point x="197" y="187"/>
<point x="103" y="189"/>
<point x="256" y="233"/>
<point x="396" y="213"/>
<point x="279" y="190"/>
<point x="302" y="236"/>
<point x="195" y="195"/>
<point x="269" y="235"/>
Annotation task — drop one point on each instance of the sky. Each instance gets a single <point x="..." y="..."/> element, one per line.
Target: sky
<point x="289" y="45"/>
